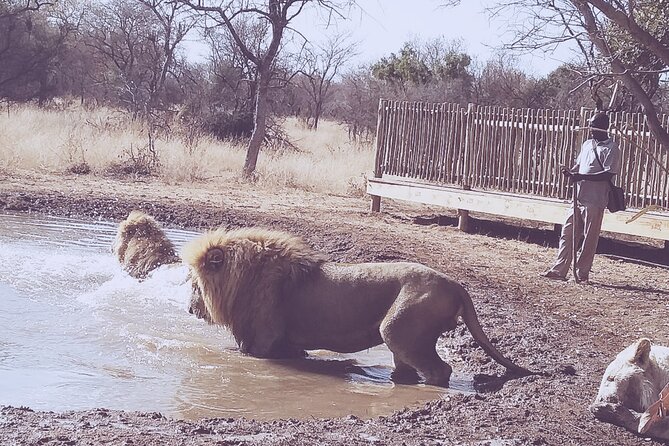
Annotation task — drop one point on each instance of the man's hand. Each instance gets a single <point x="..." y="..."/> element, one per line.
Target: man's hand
<point x="573" y="176"/>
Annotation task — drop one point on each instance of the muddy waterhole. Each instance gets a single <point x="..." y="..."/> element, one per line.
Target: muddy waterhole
<point x="77" y="333"/>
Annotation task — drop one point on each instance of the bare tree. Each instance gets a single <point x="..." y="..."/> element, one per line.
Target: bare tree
<point x="136" y="42"/>
<point x="234" y="75"/>
<point x="322" y="64"/>
<point x="597" y="33"/>
<point x="33" y="39"/>
<point x="500" y="82"/>
<point x="173" y="27"/>
<point x="12" y="8"/>
<point x="276" y="16"/>
<point x="618" y="39"/>
<point x="117" y="32"/>
<point x="360" y="93"/>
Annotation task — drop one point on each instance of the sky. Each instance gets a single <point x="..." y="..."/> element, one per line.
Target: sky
<point x="382" y="27"/>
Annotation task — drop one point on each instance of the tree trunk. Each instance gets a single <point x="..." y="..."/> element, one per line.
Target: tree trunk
<point x="259" y="124"/>
<point x="317" y="115"/>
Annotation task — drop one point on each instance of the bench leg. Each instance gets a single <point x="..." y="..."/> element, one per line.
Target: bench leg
<point x="376" y="203"/>
<point x="464" y="222"/>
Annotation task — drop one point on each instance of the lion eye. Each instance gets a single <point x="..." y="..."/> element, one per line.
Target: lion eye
<point x="214" y="258"/>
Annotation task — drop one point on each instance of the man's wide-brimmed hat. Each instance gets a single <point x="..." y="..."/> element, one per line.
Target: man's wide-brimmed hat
<point x="600" y="121"/>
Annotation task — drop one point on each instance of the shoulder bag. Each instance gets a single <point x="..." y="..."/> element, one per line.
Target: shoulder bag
<point x="617" y="201"/>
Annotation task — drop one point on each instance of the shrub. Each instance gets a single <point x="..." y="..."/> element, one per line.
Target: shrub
<point x="229" y="124"/>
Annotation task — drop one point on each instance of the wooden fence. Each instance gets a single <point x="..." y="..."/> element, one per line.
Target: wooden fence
<point x="518" y="151"/>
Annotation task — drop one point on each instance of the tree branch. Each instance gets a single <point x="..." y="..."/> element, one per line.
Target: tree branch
<point x="228" y="24"/>
<point x="618" y="67"/>
<point x="627" y="22"/>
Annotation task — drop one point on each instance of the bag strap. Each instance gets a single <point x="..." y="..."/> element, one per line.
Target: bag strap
<point x="594" y="149"/>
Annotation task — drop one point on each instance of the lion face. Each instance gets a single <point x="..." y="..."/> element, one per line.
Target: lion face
<point x="631" y="384"/>
<point x="197" y="306"/>
<point x="625" y="382"/>
<point x="213" y="261"/>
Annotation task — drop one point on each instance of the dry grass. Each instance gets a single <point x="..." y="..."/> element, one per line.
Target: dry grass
<point x="327" y="161"/>
<point x="103" y="140"/>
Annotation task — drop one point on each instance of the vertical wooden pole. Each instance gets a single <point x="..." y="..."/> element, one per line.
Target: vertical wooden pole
<point x="376" y="203"/>
<point x="575" y="240"/>
<point x="378" y="164"/>
<point x="464" y="221"/>
<point x="468" y="146"/>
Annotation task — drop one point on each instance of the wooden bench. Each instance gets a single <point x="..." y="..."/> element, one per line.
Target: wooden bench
<point x="548" y="210"/>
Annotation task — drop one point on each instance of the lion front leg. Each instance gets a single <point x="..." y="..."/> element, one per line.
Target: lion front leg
<point x="265" y="344"/>
<point x="616" y="413"/>
<point x="282" y="349"/>
<point x="269" y="341"/>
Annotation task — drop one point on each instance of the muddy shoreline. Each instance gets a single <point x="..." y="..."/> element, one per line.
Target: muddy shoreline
<point x="567" y="330"/>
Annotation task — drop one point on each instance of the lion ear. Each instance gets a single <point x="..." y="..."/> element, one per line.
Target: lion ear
<point x="642" y="353"/>
<point x="214" y="258"/>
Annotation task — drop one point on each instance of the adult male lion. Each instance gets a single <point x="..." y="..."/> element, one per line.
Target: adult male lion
<point x="630" y="386"/>
<point x="142" y="246"/>
<point x="279" y="298"/>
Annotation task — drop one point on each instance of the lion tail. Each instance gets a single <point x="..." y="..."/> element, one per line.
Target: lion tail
<point x="469" y="316"/>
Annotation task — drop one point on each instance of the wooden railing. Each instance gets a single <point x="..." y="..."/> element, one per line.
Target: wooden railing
<point x="512" y="150"/>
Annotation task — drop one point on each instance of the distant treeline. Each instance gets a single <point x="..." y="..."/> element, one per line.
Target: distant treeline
<point x="131" y="54"/>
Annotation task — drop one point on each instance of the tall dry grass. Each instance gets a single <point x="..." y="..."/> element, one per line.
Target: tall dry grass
<point x="103" y="139"/>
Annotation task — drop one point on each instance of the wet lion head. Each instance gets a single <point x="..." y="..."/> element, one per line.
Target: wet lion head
<point x="141" y="245"/>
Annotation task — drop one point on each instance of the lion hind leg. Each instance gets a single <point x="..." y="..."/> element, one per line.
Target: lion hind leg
<point x="404" y="373"/>
<point x="429" y="364"/>
<point x="413" y="345"/>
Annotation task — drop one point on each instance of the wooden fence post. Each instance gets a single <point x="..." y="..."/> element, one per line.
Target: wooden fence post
<point x="466" y="154"/>
<point x="380" y="155"/>
<point x="464" y="221"/>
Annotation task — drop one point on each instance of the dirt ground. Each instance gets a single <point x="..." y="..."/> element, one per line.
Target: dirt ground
<point x="571" y="331"/>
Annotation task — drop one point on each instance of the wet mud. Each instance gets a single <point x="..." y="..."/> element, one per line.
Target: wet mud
<point x="567" y="331"/>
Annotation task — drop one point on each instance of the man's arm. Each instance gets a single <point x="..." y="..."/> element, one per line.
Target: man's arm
<point x="601" y="176"/>
<point x="573" y="175"/>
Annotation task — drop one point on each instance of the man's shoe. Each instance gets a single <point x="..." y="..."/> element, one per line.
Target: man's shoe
<point x="554" y="275"/>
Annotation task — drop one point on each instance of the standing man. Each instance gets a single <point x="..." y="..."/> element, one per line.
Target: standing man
<point x="597" y="163"/>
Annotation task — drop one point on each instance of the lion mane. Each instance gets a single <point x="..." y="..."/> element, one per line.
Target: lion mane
<point x="253" y="266"/>
<point x="142" y="246"/>
<point x="280" y="298"/>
